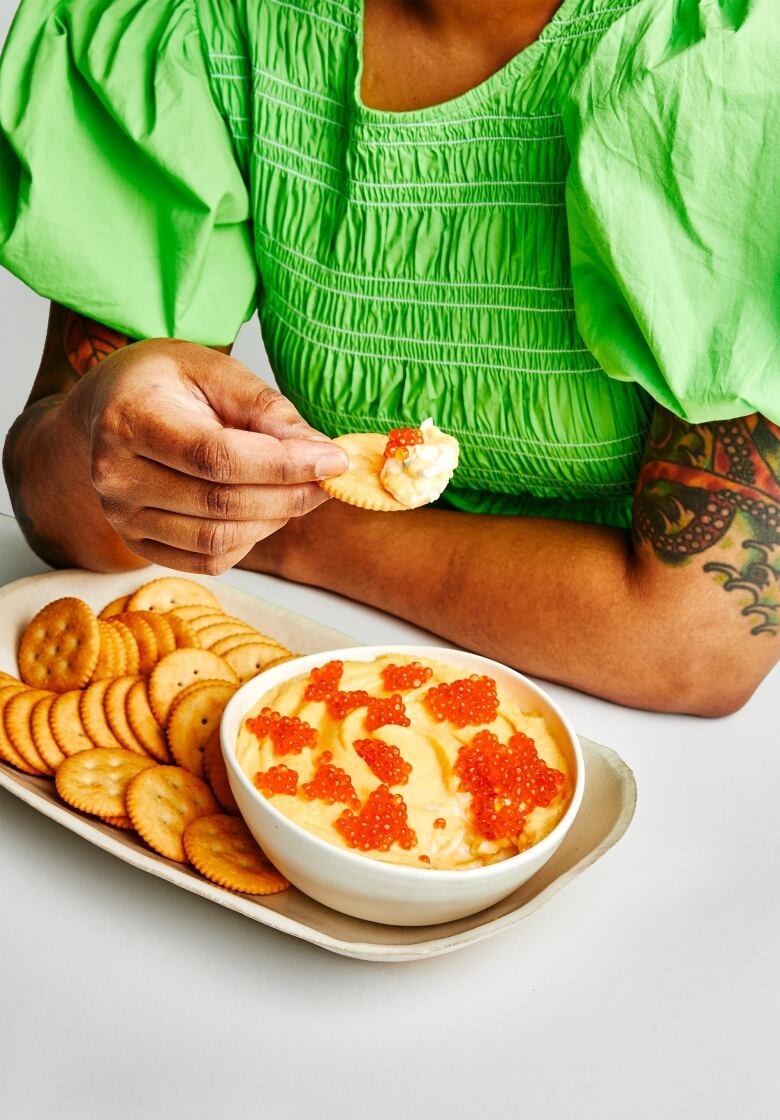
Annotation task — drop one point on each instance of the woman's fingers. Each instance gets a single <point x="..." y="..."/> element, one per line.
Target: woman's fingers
<point x="184" y="561"/>
<point x="206" y="536"/>
<point x="194" y="459"/>
<point x="226" y="456"/>
<point x="224" y="426"/>
<point x="151" y="485"/>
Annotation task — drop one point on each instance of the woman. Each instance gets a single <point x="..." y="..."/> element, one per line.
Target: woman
<point x="419" y="196"/>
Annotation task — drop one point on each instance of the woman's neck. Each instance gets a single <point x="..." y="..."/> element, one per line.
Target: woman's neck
<point x="447" y="46"/>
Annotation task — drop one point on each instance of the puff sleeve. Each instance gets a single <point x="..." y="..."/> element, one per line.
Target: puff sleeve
<point x="673" y="200"/>
<point x="120" y="194"/>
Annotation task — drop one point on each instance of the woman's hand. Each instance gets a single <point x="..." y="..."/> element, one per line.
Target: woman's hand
<point x="193" y="458"/>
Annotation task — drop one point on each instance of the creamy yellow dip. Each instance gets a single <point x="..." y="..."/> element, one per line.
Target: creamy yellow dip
<point x="430" y="746"/>
<point x="421" y="474"/>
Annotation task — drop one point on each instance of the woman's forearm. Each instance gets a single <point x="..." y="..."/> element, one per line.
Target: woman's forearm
<point x="563" y="601"/>
<point x="47" y="469"/>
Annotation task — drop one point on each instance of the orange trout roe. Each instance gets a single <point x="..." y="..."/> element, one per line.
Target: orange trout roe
<point x="398" y="439"/>
<point x="424" y="859"/>
<point x="379" y="824"/>
<point x="413" y="675"/>
<point x="506" y="782"/>
<point x="385" y="710"/>
<point x="340" y="704"/>
<point x="440" y="822"/>
<point x="324" y="681"/>
<point x="472" y="700"/>
<point x="384" y="760"/>
<point x="330" y="784"/>
<point x="288" y="734"/>
<point x="279" y="779"/>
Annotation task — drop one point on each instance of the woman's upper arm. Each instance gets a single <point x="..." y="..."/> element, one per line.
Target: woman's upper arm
<point x="707" y="543"/>
<point x="74" y="344"/>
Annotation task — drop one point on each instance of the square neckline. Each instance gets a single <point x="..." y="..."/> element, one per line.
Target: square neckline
<point x="471" y="98"/>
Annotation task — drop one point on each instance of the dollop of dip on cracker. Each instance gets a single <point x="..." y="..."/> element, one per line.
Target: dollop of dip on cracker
<point x="406" y="762"/>
<point x="407" y="468"/>
<point x="418" y="474"/>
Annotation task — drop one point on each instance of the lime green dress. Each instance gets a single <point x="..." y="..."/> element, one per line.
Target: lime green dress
<point x="535" y="263"/>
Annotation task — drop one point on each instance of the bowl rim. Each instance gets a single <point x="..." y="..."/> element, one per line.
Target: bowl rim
<point x="298" y="666"/>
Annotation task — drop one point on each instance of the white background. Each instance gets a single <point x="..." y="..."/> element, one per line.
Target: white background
<point x="648" y="988"/>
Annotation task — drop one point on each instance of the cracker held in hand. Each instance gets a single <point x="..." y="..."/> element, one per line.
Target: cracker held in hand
<point x="408" y="468"/>
<point x="224" y="850"/>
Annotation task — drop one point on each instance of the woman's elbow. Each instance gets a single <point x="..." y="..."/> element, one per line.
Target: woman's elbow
<point x="711" y="688"/>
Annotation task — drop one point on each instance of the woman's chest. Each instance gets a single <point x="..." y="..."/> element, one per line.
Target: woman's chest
<point x="417" y="264"/>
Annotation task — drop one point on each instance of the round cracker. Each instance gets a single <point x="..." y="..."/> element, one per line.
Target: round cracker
<point x="163" y="632"/>
<point x="214" y="618"/>
<point x="168" y="592"/>
<point x="96" y="781"/>
<point x="114" y="706"/>
<point x="247" y="660"/>
<point x="8" y="751"/>
<point x="66" y="725"/>
<point x="185" y="636"/>
<point x="93" y="717"/>
<point x="118" y="822"/>
<point x="193" y="610"/>
<point x="231" y="627"/>
<point x="225" y="644"/>
<point x="180" y="669"/>
<point x="132" y="658"/>
<point x="161" y="802"/>
<point x="60" y="647"/>
<point x="216" y="773"/>
<point x="16" y="718"/>
<point x="223" y="850"/>
<point x="145" y="638"/>
<point x="40" y="728"/>
<point x="143" y="724"/>
<point x="193" y="717"/>
<point x="111" y="661"/>
<point x="116" y="606"/>
<point x="360" y="484"/>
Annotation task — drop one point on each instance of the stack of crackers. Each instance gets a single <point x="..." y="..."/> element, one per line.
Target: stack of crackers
<point x="123" y="710"/>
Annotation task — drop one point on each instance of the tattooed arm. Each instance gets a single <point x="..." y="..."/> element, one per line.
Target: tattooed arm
<point x="708" y="503"/>
<point x="683" y="617"/>
<point x="156" y="450"/>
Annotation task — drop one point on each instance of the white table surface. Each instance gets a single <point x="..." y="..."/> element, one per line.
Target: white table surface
<point x="649" y="987"/>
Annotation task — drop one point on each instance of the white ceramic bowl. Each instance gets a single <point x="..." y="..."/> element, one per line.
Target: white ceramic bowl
<point x="368" y="888"/>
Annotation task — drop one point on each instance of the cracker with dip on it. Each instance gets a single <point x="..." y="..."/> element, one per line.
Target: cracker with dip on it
<point x="408" y="468"/>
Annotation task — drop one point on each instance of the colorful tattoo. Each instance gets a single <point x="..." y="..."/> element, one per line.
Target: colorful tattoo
<point x="708" y="488"/>
<point x="86" y="342"/>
